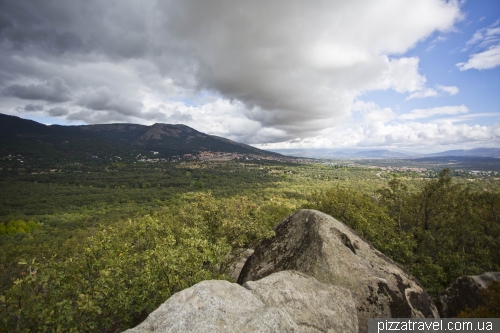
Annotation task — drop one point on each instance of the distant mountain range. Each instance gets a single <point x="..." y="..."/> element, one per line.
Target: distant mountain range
<point x="482" y="152"/>
<point x="32" y="139"/>
<point x="342" y="153"/>
<point x="383" y="153"/>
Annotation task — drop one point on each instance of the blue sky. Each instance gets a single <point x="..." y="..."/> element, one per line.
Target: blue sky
<point x="412" y="75"/>
<point x="439" y="55"/>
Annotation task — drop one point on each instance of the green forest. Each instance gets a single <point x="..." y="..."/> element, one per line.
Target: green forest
<point x="96" y="247"/>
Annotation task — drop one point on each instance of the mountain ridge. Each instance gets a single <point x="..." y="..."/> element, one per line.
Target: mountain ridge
<point x="30" y="138"/>
<point x="324" y="153"/>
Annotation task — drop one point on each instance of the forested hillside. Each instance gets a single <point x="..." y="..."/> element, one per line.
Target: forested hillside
<point x="79" y="143"/>
<point x="98" y="250"/>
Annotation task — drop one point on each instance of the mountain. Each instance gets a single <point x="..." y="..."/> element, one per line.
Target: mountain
<point x="480" y="152"/>
<point x="380" y="153"/>
<point x="384" y="153"/>
<point x="32" y="139"/>
<point x="341" y="153"/>
<point x="167" y="139"/>
<point x="310" y="153"/>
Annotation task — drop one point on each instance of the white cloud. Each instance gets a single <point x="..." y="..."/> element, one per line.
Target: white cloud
<point x="484" y="60"/>
<point x="363" y="106"/>
<point x="402" y="76"/>
<point x="452" y="90"/>
<point x="488" y="41"/>
<point x="466" y="117"/>
<point x="373" y="113"/>
<point x="429" y="92"/>
<point x="429" y="134"/>
<point x="380" y="116"/>
<point x="414" y="136"/>
<point x="477" y="37"/>
<point x="427" y="113"/>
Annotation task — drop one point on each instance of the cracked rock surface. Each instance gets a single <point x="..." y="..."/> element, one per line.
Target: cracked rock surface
<point x="216" y="306"/>
<point x="283" y="302"/>
<point x="318" y="245"/>
<point x="314" y="306"/>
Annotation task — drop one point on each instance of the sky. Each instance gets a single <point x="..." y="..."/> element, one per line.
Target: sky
<point x="407" y="75"/>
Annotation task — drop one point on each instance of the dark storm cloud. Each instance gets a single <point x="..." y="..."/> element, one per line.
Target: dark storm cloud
<point x="98" y="117"/>
<point x="169" y="116"/>
<point x="58" y="111"/>
<point x="103" y="99"/>
<point x="21" y="27"/>
<point x="289" y="68"/>
<point x="32" y="107"/>
<point x="98" y="99"/>
<point x="55" y="90"/>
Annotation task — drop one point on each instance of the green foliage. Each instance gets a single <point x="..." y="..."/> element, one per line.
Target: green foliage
<point x="235" y="221"/>
<point x="114" y="278"/>
<point x="118" y="238"/>
<point x="450" y="232"/>
<point x="394" y="198"/>
<point x="439" y="231"/>
<point x="19" y="227"/>
<point x="455" y="231"/>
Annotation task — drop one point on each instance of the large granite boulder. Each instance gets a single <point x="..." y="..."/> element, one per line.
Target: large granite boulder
<point x="216" y="306"/>
<point x="464" y="293"/>
<point x="320" y="246"/>
<point x="314" y="306"/>
<point x="283" y="302"/>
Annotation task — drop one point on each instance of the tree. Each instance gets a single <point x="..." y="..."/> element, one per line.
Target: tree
<point x="394" y="198"/>
<point x="452" y="228"/>
<point x="113" y="279"/>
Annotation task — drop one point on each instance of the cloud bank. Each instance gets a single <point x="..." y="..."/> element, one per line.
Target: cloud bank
<point x="254" y="71"/>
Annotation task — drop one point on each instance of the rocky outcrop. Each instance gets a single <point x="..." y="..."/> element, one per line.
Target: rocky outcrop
<point x="315" y="307"/>
<point x="320" y="246"/>
<point x="315" y="275"/>
<point x="216" y="306"/>
<point x="283" y="302"/>
<point x="464" y="293"/>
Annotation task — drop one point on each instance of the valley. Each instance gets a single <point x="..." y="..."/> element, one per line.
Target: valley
<point x="105" y="236"/>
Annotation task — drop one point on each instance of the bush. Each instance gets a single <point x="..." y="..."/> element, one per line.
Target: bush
<point x="113" y="279"/>
<point x="19" y="227"/>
